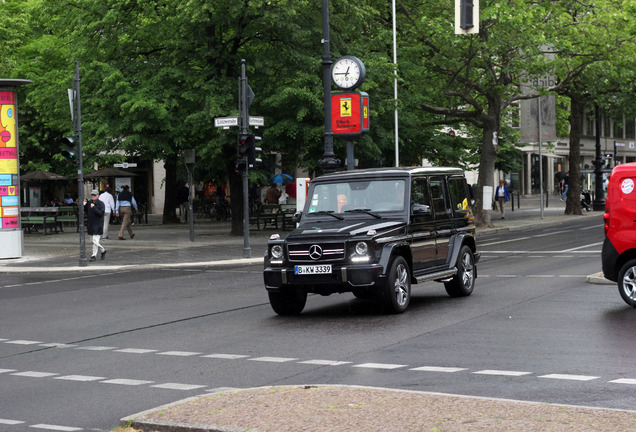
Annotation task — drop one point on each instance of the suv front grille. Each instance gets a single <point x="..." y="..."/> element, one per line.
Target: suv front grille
<point x="316" y="252"/>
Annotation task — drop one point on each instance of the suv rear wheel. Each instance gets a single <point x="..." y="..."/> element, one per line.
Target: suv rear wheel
<point x="395" y="295"/>
<point x="627" y="282"/>
<point x="463" y="282"/>
<point x="288" y="302"/>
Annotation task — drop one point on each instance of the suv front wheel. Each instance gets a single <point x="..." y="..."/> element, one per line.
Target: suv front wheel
<point x="289" y="302"/>
<point x="463" y="282"/>
<point x="627" y="282"/>
<point x="395" y="295"/>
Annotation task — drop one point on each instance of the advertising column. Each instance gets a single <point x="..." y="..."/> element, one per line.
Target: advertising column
<point x="11" y="236"/>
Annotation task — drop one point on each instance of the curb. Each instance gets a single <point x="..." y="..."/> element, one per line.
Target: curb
<point x="598" y="279"/>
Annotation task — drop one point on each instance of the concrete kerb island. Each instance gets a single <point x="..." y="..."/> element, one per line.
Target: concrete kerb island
<point x="336" y="408"/>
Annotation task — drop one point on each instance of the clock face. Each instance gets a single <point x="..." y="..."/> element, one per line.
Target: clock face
<point x="348" y="72"/>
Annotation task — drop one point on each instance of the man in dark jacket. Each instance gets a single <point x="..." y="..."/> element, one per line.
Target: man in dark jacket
<point x="94" y="210"/>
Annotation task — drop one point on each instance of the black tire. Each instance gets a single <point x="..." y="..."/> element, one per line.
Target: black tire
<point x="627" y="282"/>
<point x="288" y="302"/>
<point x="463" y="282"/>
<point x="395" y="294"/>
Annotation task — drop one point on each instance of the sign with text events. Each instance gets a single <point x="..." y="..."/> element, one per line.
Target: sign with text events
<point x="350" y="113"/>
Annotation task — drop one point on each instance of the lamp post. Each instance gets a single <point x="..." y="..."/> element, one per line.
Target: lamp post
<point x="599" y="196"/>
<point x="328" y="163"/>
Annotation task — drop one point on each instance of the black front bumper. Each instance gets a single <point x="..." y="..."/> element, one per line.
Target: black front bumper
<point x="609" y="260"/>
<point x="341" y="279"/>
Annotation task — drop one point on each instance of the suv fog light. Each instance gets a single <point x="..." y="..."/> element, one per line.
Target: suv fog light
<point x="277" y="251"/>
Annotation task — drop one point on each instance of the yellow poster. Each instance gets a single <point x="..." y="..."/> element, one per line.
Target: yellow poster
<point x="345" y="107"/>
<point x="8" y="166"/>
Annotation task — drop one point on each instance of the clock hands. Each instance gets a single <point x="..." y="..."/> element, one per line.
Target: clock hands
<point x="343" y="73"/>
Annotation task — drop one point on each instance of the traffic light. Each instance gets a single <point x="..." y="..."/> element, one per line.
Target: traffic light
<point x="70" y="149"/>
<point x="243" y="144"/>
<point x="466" y="14"/>
<point x="253" y="150"/>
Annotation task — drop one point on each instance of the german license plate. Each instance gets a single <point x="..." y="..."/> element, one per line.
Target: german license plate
<point x="313" y="269"/>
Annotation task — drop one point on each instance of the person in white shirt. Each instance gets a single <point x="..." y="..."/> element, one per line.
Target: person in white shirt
<point x="109" y="207"/>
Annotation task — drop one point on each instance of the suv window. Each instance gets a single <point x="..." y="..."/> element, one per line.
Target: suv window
<point x="458" y="195"/>
<point x="438" y="195"/>
<point x="419" y="192"/>
<point x="373" y="195"/>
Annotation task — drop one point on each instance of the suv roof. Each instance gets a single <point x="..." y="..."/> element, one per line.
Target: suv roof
<point x="394" y="171"/>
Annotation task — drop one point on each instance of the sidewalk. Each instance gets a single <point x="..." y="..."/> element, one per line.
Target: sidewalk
<point x="156" y="245"/>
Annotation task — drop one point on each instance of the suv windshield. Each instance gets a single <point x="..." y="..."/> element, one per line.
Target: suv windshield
<point x="360" y="196"/>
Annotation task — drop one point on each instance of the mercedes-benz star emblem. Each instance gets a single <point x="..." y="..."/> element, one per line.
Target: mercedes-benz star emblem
<point x="315" y="252"/>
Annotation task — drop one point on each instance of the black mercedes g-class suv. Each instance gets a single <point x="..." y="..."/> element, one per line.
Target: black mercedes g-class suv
<point x="374" y="233"/>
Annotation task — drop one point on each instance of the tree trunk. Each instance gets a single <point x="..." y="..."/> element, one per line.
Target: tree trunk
<point x="170" y="185"/>
<point x="573" y="200"/>
<point x="486" y="174"/>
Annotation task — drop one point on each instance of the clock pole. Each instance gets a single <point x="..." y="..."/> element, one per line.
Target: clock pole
<point x="328" y="163"/>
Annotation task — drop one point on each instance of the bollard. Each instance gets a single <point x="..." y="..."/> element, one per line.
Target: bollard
<point x="546" y="199"/>
<point x="512" y="200"/>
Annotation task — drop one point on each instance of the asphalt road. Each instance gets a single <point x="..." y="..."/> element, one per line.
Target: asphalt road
<point x="81" y="351"/>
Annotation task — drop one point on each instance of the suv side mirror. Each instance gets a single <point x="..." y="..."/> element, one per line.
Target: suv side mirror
<point x="420" y="209"/>
<point x="296" y="217"/>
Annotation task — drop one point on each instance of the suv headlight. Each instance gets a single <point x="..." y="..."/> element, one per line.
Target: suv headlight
<point x="361" y="254"/>
<point x="362" y="248"/>
<point x="277" y="251"/>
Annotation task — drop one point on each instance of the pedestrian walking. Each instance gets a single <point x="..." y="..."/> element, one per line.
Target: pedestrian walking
<point x="183" y="201"/>
<point x="125" y="204"/>
<point x="565" y="182"/>
<point x="95" y="225"/>
<point x="502" y="196"/>
<point x="109" y="207"/>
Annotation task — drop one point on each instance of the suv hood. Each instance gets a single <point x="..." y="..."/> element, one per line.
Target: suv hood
<point x="338" y="228"/>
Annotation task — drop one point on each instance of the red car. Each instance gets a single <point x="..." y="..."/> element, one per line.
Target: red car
<point x="619" y="248"/>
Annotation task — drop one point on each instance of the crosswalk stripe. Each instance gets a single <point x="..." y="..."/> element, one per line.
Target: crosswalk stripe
<point x="379" y="366"/>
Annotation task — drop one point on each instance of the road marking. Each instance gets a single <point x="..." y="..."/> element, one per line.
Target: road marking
<point x="551" y="233"/>
<point x="624" y="381"/>
<point x="96" y="348"/>
<point x="591" y="227"/>
<point x="512" y="252"/>
<point x="226" y="356"/>
<point x="325" y="362"/>
<point x="129" y="382"/>
<point x="438" y="369"/>
<point x="34" y="374"/>
<point x="569" y="377"/>
<point x="177" y="386"/>
<point x="57" y="345"/>
<point x="273" y="359"/>
<point x="179" y="353"/>
<point x="10" y="422"/>
<point x="135" y="350"/>
<point x="501" y="372"/>
<point x="583" y="247"/>
<point x="81" y="378"/>
<point x="6" y="370"/>
<point x="23" y="342"/>
<point x="55" y="427"/>
<point x="503" y="241"/>
<point x="379" y="366"/>
<point x="540" y="276"/>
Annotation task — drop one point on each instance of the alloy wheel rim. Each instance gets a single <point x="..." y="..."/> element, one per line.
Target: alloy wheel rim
<point x="468" y="270"/>
<point x="401" y="285"/>
<point x="629" y="283"/>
